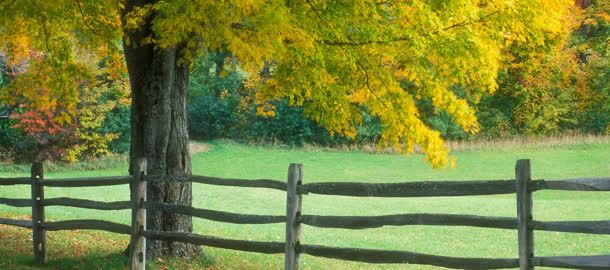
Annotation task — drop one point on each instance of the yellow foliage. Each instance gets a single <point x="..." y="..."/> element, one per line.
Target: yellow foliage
<point x="267" y="110"/>
<point x="333" y="58"/>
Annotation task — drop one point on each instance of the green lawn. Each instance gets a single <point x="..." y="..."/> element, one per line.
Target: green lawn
<point x="226" y="159"/>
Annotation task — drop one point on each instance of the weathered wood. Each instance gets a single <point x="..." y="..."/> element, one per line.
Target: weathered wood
<point x="254" y="183"/>
<point x="16" y="202"/>
<point x="87" y="224"/>
<point x="16" y="222"/>
<point x="159" y="82"/>
<point x="137" y="246"/>
<point x="88" y="182"/>
<point x="524" y="214"/>
<point x="363" y="222"/>
<point x="39" y="235"/>
<point x="412" y="189"/>
<point x="293" y="213"/>
<point x="215" y="215"/>
<point x="576" y="184"/>
<point x="598" y="262"/>
<point x="394" y="256"/>
<point x="591" y="227"/>
<point x="250" y="246"/>
<point x="15" y="181"/>
<point x="89" y="204"/>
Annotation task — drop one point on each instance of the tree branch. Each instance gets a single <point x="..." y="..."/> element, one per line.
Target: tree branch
<point x="368" y="85"/>
<point x="241" y="26"/>
<point x="45" y="33"/>
<point x="383" y="2"/>
<point x="314" y="10"/>
<point x="368" y="42"/>
<point x="9" y="4"/>
<point x="80" y="8"/>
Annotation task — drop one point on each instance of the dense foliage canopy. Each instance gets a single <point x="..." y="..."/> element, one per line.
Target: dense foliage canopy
<point x="410" y="68"/>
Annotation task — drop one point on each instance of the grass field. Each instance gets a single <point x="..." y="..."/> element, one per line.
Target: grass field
<point x="98" y="250"/>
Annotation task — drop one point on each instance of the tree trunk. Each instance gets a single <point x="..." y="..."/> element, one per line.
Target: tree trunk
<point x="583" y="3"/>
<point x="159" y="132"/>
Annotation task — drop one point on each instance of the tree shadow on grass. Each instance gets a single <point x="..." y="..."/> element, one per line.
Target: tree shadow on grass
<point x="79" y="250"/>
<point x="115" y="261"/>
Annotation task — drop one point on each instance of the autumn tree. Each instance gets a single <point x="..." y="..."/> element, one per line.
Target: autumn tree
<point x="334" y="59"/>
<point x="558" y="86"/>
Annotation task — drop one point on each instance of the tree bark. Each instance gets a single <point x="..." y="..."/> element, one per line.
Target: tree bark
<point x="159" y="131"/>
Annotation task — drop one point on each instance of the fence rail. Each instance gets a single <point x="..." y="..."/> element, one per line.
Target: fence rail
<point x="88" y="182"/>
<point x="16" y="222"/>
<point x="16" y="202"/>
<point x="412" y="189"/>
<point x="580" y="184"/>
<point x="574" y="262"/>
<point x="243" y="245"/>
<point x="214" y="215"/>
<point x="393" y="256"/>
<point x="366" y="222"/>
<point x="523" y="186"/>
<point x="15" y="181"/>
<point x="87" y="224"/>
<point x="80" y="203"/>
<point x="253" y="183"/>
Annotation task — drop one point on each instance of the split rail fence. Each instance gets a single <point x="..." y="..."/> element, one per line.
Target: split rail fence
<point x="524" y="223"/>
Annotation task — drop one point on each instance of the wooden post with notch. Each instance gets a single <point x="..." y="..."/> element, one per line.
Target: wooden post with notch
<point x="39" y="235"/>
<point x="524" y="214"/>
<point x="137" y="247"/>
<point x="293" y="213"/>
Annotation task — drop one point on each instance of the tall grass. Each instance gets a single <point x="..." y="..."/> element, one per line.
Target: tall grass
<point x="93" y="164"/>
<point x="484" y="144"/>
<point x="528" y="142"/>
<point x="520" y="142"/>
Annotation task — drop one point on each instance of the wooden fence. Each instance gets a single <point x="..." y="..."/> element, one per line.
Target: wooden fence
<point x="522" y="185"/>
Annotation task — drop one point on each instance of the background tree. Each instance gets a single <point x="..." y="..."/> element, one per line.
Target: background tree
<point x="335" y="59"/>
<point x="560" y="86"/>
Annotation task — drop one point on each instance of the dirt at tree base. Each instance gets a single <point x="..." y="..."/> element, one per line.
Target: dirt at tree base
<point x="197" y="147"/>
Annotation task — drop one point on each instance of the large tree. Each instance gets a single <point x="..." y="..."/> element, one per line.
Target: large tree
<point x="335" y="59"/>
<point x="159" y="81"/>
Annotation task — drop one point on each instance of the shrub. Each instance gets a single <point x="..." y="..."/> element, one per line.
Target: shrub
<point x="221" y="107"/>
<point x="117" y="121"/>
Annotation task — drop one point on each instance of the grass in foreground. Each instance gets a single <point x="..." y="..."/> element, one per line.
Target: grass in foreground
<point x="227" y="159"/>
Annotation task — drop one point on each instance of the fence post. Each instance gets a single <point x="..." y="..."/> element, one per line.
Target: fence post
<point x="39" y="235"/>
<point x="293" y="212"/>
<point x="137" y="250"/>
<point x="524" y="214"/>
